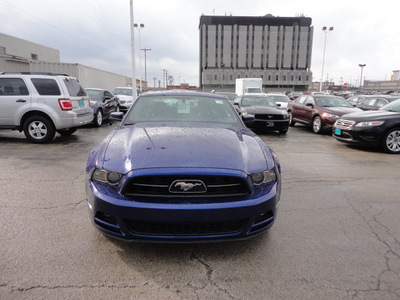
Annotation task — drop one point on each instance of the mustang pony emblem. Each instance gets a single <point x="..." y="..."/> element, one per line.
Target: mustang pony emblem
<point x="186" y="186"/>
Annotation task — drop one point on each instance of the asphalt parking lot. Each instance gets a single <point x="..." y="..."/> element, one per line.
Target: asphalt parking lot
<point x="336" y="236"/>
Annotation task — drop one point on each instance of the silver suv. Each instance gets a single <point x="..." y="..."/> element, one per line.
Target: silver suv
<point x="42" y="104"/>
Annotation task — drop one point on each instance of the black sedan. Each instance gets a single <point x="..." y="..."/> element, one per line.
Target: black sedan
<point x="267" y="114"/>
<point x="372" y="128"/>
<point x="103" y="104"/>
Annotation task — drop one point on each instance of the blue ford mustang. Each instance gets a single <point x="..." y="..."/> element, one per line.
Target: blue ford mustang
<point x="182" y="167"/>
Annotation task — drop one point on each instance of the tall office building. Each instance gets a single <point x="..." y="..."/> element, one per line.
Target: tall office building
<point x="276" y="49"/>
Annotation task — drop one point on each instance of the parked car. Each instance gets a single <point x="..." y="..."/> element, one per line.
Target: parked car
<point x="374" y="102"/>
<point x="356" y="100"/>
<point x="280" y="99"/>
<point x="182" y="167"/>
<point x="267" y="114"/>
<point x="294" y="95"/>
<point x="318" y="111"/>
<point x="125" y="96"/>
<point x="103" y="103"/>
<point x="42" y="104"/>
<point x="371" y="128"/>
<point x="231" y="96"/>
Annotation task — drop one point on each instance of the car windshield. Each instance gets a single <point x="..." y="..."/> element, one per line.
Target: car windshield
<point x="392" y="106"/>
<point x="182" y="109"/>
<point x="258" y="101"/>
<point x="122" y="91"/>
<point x="95" y="95"/>
<point x="254" y="90"/>
<point x="279" y="98"/>
<point x="332" y="102"/>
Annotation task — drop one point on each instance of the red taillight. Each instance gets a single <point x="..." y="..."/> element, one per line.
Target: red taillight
<point x="65" y="104"/>
<point x="88" y="101"/>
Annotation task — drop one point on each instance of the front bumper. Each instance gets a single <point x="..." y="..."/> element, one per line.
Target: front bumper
<point x="166" y="222"/>
<point x="369" y="136"/>
<point x="270" y="124"/>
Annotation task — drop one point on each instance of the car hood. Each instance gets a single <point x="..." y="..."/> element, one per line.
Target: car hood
<point x="340" y="110"/>
<point x="150" y="146"/>
<point x="371" y="115"/>
<point x="263" y="110"/>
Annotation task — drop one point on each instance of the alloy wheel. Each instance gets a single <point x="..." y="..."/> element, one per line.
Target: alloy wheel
<point x="392" y="141"/>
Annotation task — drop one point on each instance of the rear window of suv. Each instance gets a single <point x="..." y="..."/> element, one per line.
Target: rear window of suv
<point x="74" y="88"/>
<point x="46" y="87"/>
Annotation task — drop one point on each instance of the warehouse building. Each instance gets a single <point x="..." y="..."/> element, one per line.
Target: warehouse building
<point x="18" y="55"/>
<point x="276" y="49"/>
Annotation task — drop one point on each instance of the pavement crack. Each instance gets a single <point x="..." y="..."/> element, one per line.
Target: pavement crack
<point x="209" y="273"/>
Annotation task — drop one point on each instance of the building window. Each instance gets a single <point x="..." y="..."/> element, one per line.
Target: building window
<point x="2" y="50"/>
<point x="34" y="56"/>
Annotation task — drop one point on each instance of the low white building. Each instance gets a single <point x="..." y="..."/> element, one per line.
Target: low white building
<point x="18" y="55"/>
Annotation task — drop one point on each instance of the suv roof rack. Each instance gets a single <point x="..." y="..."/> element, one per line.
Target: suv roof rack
<point x="33" y="73"/>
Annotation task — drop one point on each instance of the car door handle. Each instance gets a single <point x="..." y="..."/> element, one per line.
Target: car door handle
<point x="21" y="100"/>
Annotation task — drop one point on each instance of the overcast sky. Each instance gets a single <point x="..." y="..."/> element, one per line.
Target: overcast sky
<point x="96" y="33"/>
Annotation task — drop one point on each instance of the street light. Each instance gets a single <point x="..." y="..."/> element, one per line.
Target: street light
<point x="362" y="67"/>
<point x="326" y="31"/>
<point x="134" y="94"/>
<point x="139" y="27"/>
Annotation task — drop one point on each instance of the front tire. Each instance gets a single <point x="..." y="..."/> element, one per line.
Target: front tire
<point x="98" y="118"/>
<point x="291" y="122"/>
<point x="317" y="125"/>
<point x="39" y="129"/>
<point x="391" y="141"/>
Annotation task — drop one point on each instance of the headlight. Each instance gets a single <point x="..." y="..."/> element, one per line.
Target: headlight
<point x="326" y="115"/>
<point x="285" y="117"/>
<point x="108" y="177"/>
<point x="263" y="177"/>
<point x="369" y="124"/>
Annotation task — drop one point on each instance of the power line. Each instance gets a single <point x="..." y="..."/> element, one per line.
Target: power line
<point x="54" y="27"/>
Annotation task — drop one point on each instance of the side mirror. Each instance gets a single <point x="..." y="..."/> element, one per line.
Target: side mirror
<point x="106" y="98"/>
<point x="248" y="119"/>
<point x="310" y="105"/>
<point x="118" y="115"/>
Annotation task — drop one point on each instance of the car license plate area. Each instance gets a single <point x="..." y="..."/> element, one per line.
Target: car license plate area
<point x="82" y="103"/>
<point x="269" y="124"/>
<point x="338" y="131"/>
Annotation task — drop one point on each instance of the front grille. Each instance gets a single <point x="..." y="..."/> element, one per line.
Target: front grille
<point x="268" y="117"/>
<point x="160" y="185"/>
<point x="185" y="229"/>
<point x="344" y="124"/>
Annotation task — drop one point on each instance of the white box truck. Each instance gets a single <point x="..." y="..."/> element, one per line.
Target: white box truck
<point x="248" y="86"/>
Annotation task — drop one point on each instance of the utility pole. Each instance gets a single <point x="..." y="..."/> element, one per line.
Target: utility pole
<point x="134" y="93"/>
<point x="145" y="63"/>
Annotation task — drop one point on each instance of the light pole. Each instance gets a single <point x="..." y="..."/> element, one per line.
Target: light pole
<point x="134" y="93"/>
<point x="326" y="31"/>
<point x="139" y="27"/>
<point x="145" y="63"/>
<point x="362" y="67"/>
